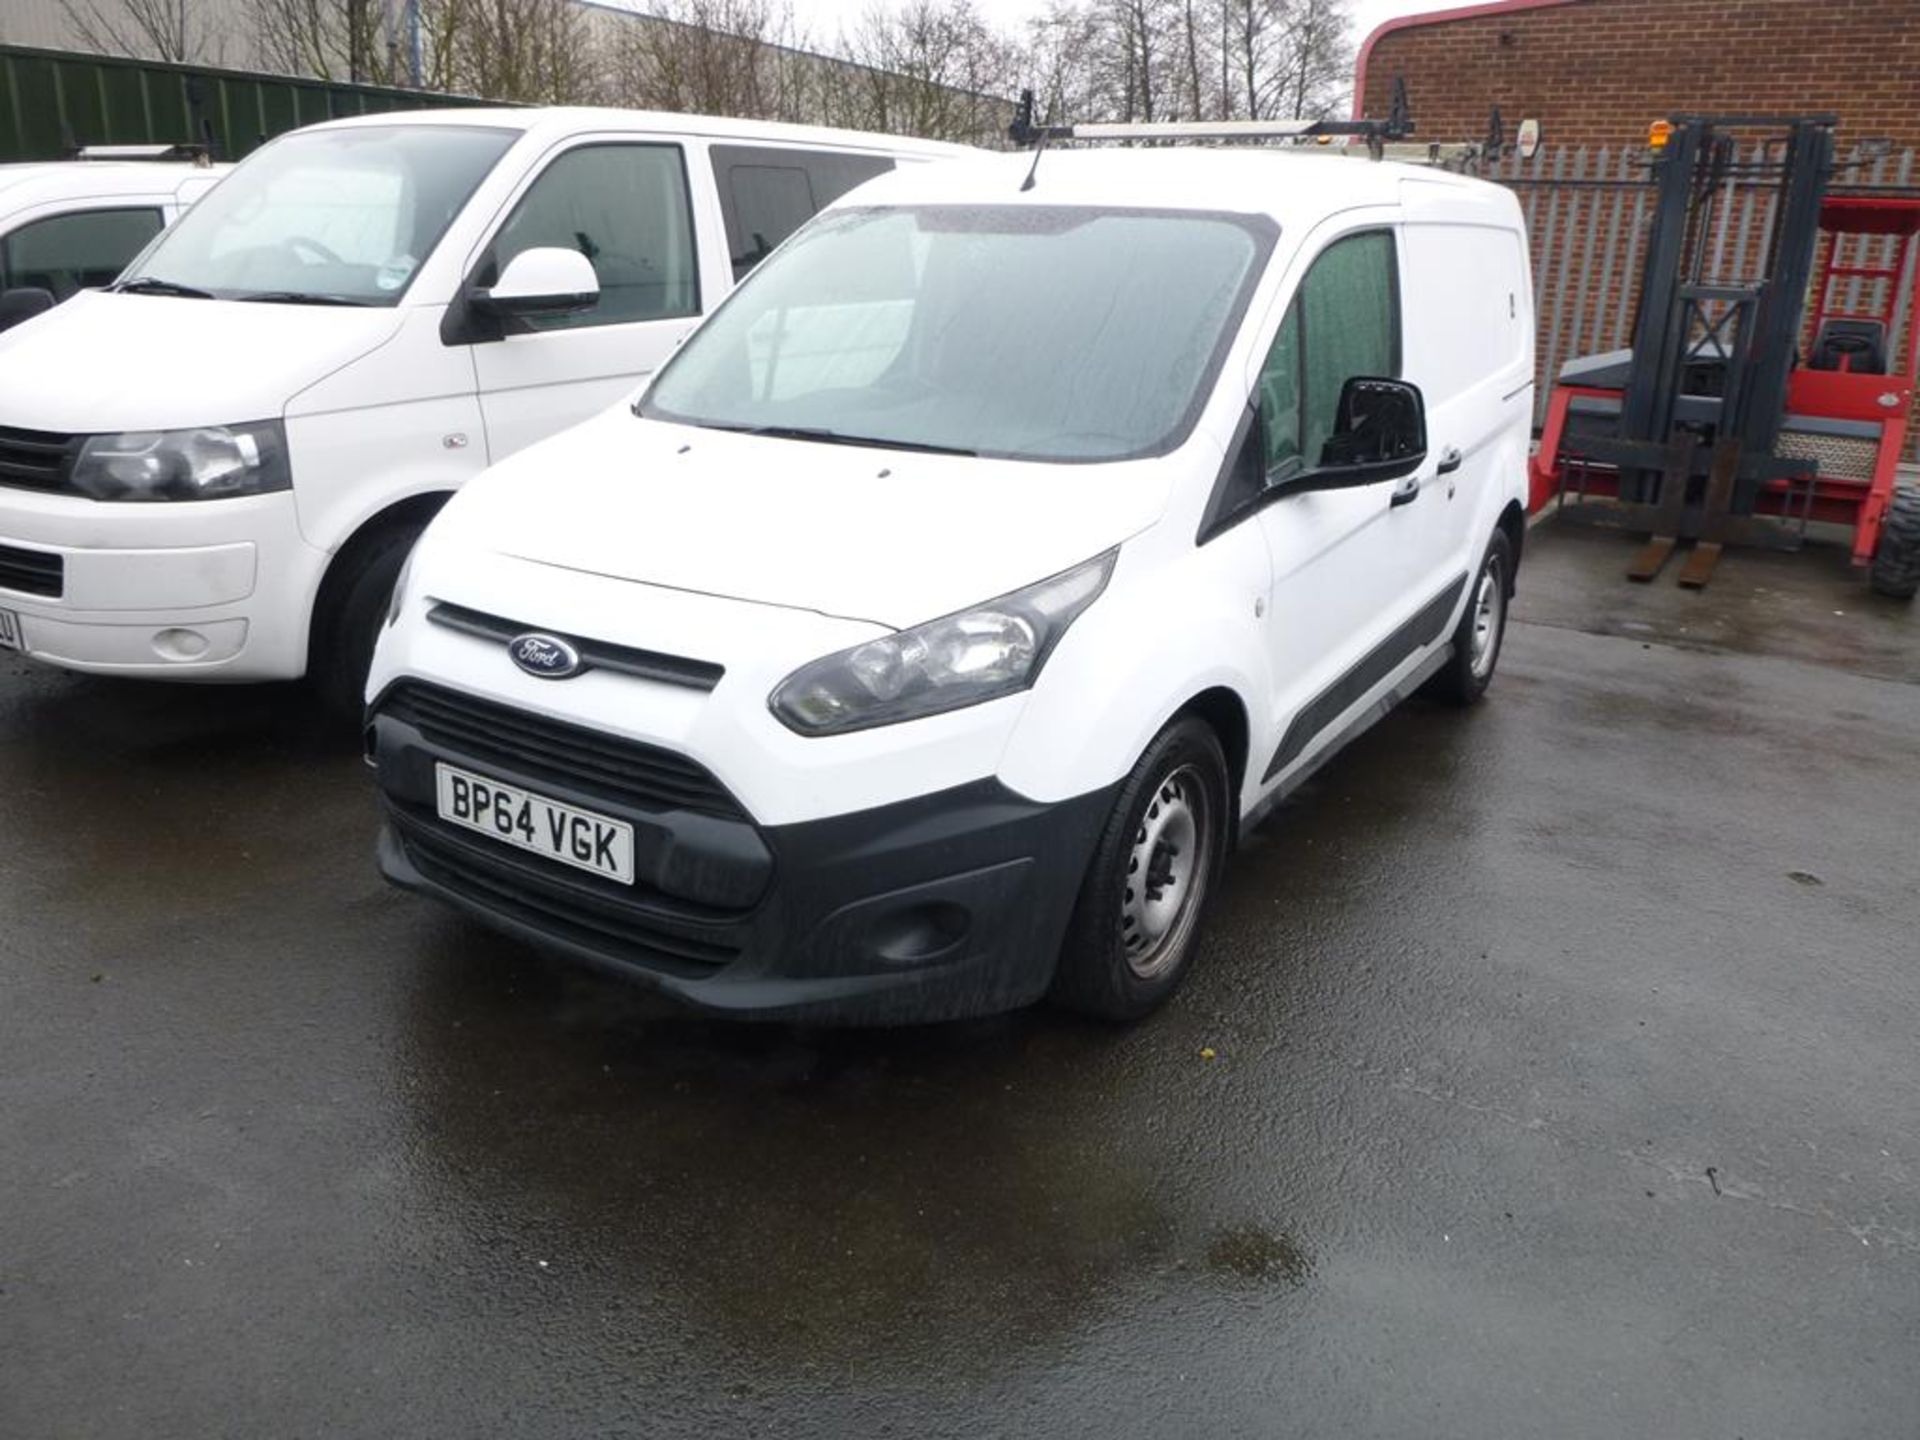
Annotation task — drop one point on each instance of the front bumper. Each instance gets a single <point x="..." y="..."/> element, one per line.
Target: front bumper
<point x="211" y="590"/>
<point x="948" y="905"/>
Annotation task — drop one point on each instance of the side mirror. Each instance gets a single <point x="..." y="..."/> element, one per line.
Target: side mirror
<point x="546" y="280"/>
<point x="23" y="304"/>
<point x="1379" y="433"/>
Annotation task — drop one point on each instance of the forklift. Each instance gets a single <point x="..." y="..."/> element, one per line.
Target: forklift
<point x="1715" y="426"/>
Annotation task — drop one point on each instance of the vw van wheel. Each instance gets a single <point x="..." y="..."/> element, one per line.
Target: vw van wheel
<point x="1483" y="625"/>
<point x="1140" y="906"/>
<point x="352" y="607"/>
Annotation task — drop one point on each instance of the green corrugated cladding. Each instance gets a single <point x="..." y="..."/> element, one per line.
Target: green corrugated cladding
<point x="51" y="100"/>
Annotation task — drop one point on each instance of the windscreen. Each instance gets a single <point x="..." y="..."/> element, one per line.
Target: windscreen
<point x="343" y="216"/>
<point x="1041" y="333"/>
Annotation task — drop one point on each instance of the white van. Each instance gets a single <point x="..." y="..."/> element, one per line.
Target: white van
<point x="72" y="225"/>
<point x="213" y="470"/>
<point x="922" y="639"/>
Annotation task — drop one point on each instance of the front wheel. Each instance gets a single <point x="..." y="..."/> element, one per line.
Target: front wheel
<point x="1896" y="559"/>
<point x="1138" y="913"/>
<point x="352" y="607"/>
<point x="1482" y="628"/>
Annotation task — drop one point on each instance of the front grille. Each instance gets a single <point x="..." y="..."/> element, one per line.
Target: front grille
<point x="570" y="756"/>
<point x="37" y="459"/>
<point x="32" y="572"/>
<point x="594" y="654"/>
<point x="578" y="911"/>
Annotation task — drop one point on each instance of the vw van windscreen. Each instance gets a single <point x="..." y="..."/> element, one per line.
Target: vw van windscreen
<point x="340" y="216"/>
<point x="1019" y="331"/>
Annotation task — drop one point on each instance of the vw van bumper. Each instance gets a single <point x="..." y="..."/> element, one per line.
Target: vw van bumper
<point x="213" y="590"/>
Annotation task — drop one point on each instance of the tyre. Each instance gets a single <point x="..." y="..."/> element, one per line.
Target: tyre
<point x="1134" y="924"/>
<point x="1895" y="572"/>
<point x="1483" y="625"/>
<point x="352" y="608"/>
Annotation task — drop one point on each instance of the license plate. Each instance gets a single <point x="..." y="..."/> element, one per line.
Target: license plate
<point x="580" y="838"/>
<point x="10" y="631"/>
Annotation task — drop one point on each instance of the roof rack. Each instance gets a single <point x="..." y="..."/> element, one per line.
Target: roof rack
<point x="1377" y="133"/>
<point x="185" y="150"/>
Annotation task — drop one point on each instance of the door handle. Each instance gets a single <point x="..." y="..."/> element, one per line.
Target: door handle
<point x="1405" y="492"/>
<point x="1450" y="459"/>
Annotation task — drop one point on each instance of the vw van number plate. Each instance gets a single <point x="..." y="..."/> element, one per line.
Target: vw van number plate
<point x="594" y="843"/>
<point x="10" y="631"/>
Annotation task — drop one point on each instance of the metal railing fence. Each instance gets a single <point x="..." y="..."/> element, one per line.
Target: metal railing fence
<point x="1588" y="209"/>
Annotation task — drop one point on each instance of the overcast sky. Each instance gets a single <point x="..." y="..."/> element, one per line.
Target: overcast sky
<point x="830" y="15"/>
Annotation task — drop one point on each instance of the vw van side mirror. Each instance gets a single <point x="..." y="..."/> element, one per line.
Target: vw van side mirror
<point x="1379" y="433"/>
<point x="23" y="304"/>
<point x="546" y="280"/>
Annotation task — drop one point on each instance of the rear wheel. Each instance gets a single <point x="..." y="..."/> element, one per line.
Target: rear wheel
<point x="352" y="607"/>
<point x="1895" y="572"/>
<point x="1138" y="913"/>
<point x="1476" y="639"/>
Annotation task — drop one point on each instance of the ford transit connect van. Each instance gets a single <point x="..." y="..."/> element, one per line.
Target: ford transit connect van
<point x="921" y="641"/>
<point x="213" y="470"/>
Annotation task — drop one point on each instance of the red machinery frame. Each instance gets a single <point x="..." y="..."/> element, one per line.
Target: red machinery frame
<point x="1824" y="394"/>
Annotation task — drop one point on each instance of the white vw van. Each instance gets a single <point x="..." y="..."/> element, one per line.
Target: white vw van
<point x="922" y="639"/>
<point x="213" y="470"/>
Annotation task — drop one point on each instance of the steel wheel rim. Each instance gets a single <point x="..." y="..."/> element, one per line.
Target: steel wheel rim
<point x="1166" y="873"/>
<point x="1489" y="605"/>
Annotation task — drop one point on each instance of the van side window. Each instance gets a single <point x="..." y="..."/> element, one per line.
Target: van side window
<point x="1345" y="321"/>
<point x="767" y="194"/>
<point x="68" y="253"/>
<point x="625" y="208"/>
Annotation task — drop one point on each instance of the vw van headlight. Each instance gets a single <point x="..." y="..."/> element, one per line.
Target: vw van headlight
<point x="209" y="462"/>
<point x="958" y="660"/>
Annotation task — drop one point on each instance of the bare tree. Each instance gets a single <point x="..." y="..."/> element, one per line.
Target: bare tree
<point x="150" y="29"/>
<point x="1318" y="59"/>
<point x="537" y="51"/>
<point x="333" y="39"/>
<point x="1057" y="63"/>
<point x="929" y="67"/>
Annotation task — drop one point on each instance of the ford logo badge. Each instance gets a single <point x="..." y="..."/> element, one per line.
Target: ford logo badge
<point x="546" y="656"/>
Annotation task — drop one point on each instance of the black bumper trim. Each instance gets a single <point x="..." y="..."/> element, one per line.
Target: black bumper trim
<point x="948" y="905"/>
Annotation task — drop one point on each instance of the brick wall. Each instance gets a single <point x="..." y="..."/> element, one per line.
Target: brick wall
<point x="1595" y="72"/>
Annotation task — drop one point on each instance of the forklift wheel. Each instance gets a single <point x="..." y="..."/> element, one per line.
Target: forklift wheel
<point x="1896" y="560"/>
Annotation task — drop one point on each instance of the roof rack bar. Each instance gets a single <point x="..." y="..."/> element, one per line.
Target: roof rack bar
<point x="184" y="150"/>
<point x="1397" y="126"/>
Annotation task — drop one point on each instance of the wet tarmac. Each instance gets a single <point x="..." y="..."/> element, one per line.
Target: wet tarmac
<point x="1548" y="1070"/>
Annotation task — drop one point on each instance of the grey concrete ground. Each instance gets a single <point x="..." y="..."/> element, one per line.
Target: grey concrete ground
<point x="1563" y="1082"/>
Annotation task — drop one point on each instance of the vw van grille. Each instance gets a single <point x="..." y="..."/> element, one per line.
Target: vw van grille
<point x="567" y="755"/>
<point x="32" y="572"/>
<point x="37" y="459"/>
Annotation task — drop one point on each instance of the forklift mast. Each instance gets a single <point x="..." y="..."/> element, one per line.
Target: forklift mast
<point x="1704" y="395"/>
<point x="1747" y="331"/>
<point x="1713" y="427"/>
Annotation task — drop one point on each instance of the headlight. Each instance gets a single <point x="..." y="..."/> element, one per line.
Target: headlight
<point x="209" y="463"/>
<point x="979" y="654"/>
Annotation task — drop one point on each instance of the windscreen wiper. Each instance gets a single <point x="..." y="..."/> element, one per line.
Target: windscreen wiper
<point x="835" y="437"/>
<point x="154" y="285"/>
<point x="300" y="297"/>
